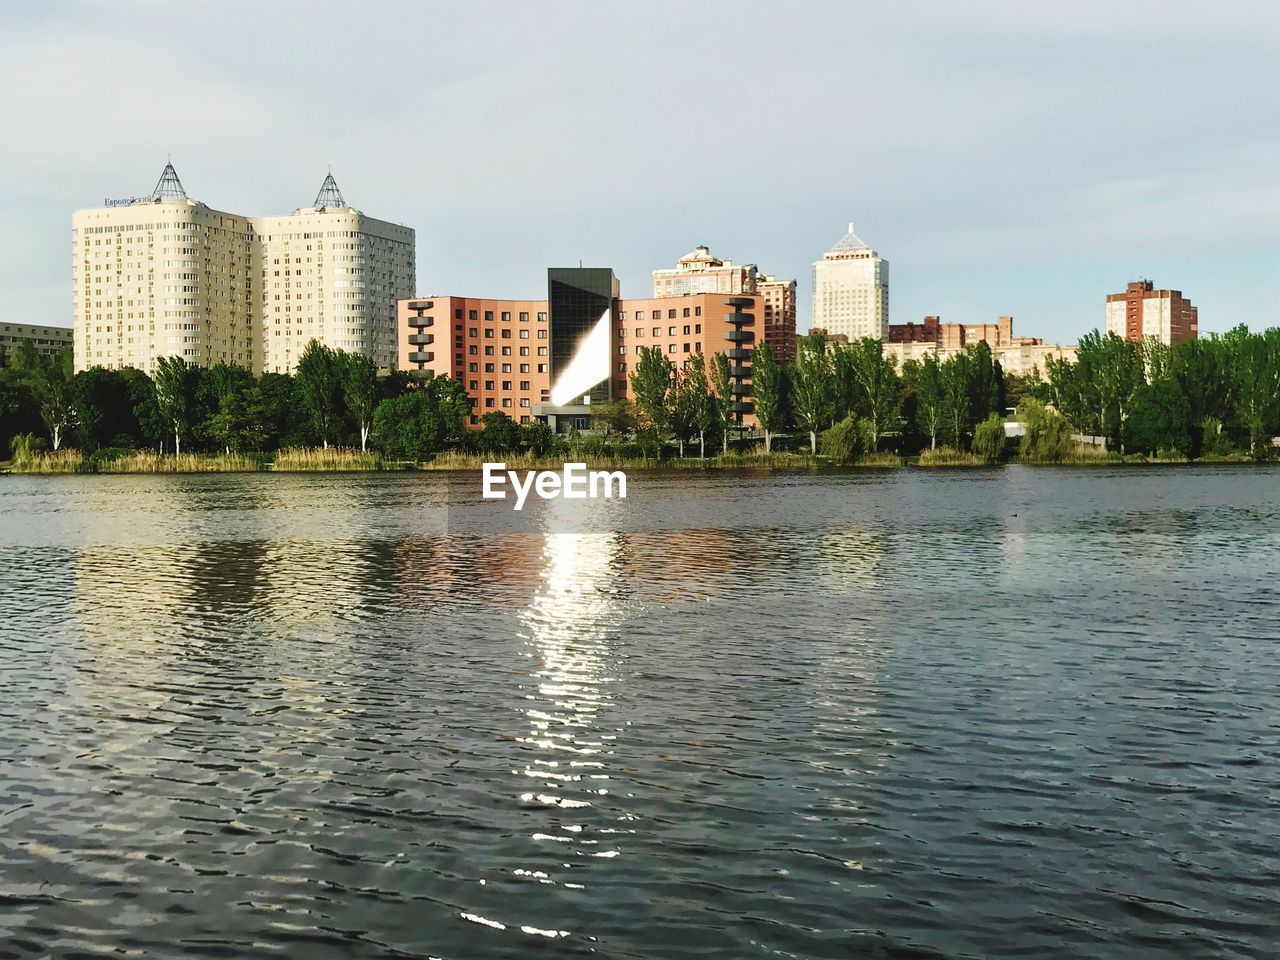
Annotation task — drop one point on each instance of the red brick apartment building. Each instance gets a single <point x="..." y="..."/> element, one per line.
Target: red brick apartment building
<point x="1142" y="311"/>
<point x="949" y="337"/>
<point x="500" y="349"/>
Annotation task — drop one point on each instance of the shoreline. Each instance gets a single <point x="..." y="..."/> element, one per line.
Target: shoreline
<point x="192" y="464"/>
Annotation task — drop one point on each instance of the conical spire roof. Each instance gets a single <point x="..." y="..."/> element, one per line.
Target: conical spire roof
<point x="169" y="187"/>
<point x="849" y="242"/>
<point x="329" y="195"/>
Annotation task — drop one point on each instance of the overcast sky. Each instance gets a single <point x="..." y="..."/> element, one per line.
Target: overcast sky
<point x="1005" y="157"/>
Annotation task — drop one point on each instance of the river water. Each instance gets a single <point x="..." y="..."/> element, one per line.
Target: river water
<point x="1007" y="713"/>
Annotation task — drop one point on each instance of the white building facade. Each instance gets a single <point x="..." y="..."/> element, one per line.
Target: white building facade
<point x="165" y="275"/>
<point x="851" y="290"/>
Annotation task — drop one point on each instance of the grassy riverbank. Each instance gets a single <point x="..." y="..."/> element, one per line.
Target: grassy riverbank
<point x="337" y="460"/>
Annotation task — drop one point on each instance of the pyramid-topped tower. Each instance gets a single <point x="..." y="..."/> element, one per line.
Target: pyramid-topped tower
<point x="851" y="290"/>
<point x="329" y="196"/>
<point x="169" y="187"/>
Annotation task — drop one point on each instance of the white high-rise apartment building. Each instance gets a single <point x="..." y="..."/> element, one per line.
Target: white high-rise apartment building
<point x="851" y="290"/>
<point x="165" y="275"/>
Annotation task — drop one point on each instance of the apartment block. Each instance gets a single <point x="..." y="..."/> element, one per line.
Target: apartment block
<point x="46" y="340"/>
<point x="513" y="355"/>
<point x="165" y="275"/>
<point x="956" y="336"/>
<point x="699" y="272"/>
<point x="498" y="349"/>
<point x="1142" y="311"/>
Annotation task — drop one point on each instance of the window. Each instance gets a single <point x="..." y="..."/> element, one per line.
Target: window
<point x="473" y="367"/>
<point x="671" y="348"/>
<point x="506" y="351"/>
<point x="542" y="368"/>
<point x="524" y="368"/>
<point x="686" y="348"/>
<point x="488" y="351"/>
<point x="473" y="350"/>
<point x="524" y="316"/>
<point x="671" y="331"/>
<point x="657" y="331"/>
<point x="488" y="384"/>
<point x="671" y="314"/>
<point x="506" y="333"/>
<point x="471" y="314"/>
<point x="697" y="328"/>
<point x="488" y="333"/>
<point x="506" y="384"/>
<point x="506" y="368"/>
<point x="697" y="311"/>
<point x="542" y="334"/>
<point x="524" y="402"/>
<point x="638" y="349"/>
<point x="488" y="316"/>
<point x="524" y="334"/>
<point x="473" y="384"/>
<point x="473" y="332"/>
<point x="686" y="312"/>
<point x="623" y="349"/>
<point x="622" y="332"/>
<point x="639" y="331"/>
<point x="524" y="351"/>
<point x="542" y="318"/>
<point x="542" y="351"/>
<point x="686" y="329"/>
<point x="622" y="367"/>
<point x="506" y="316"/>
<point x="488" y="401"/>
<point x="488" y="368"/>
<point x="524" y="384"/>
<point x="457" y="314"/>
<point x="622" y="315"/>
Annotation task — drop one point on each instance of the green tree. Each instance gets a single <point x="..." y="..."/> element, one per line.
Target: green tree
<point x="360" y="391"/>
<point x="721" y="384"/>
<point x="498" y="433"/>
<point x="1159" y="419"/>
<point x="614" y="417"/>
<point x="175" y="395"/>
<point x="813" y="387"/>
<point x="538" y="438"/>
<point x="419" y="422"/>
<point x="1048" y="435"/>
<point x="319" y="381"/>
<point x="768" y="392"/>
<point x="989" y="439"/>
<point x="652" y="382"/>
<point x="930" y="396"/>
<point x="849" y="440"/>
<point x="49" y="378"/>
<point x="242" y="421"/>
<point x="104" y="414"/>
<point x="873" y="387"/>
<point x="701" y="400"/>
<point x="1254" y="360"/>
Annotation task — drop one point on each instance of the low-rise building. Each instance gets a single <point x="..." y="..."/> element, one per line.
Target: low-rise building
<point x="46" y="340"/>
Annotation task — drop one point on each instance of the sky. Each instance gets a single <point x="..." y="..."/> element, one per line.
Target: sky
<point x="1004" y="157"/>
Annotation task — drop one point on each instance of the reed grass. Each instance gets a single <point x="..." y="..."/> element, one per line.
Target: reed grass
<point x="65" y="460"/>
<point x="318" y="459"/>
<point x="950" y="457"/>
<point x="881" y="458"/>
<point x="148" y="461"/>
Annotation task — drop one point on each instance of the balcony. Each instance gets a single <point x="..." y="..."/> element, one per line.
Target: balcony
<point x="419" y="338"/>
<point x="740" y="389"/>
<point x="422" y="357"/>
<point x="740" y="319"/>
<point x="422" y="321"/>
<point x="739" y="302"/>
<point x="742" y="406"/>
<point x="421" y="304"/>
<point x="740" y="336"/>
<point x="738" y="353"/>
<point x="739" y="371"/>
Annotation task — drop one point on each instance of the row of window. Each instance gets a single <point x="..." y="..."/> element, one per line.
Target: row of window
<point x="657" y="331"/>
<point x="657" y="314"/>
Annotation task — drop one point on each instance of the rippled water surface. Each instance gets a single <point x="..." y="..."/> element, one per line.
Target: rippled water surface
<point x="959" y="714"/>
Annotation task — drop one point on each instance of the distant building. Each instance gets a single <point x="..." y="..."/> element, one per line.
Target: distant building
<point x="164" y="275"/>
<point x="699" y="272"/>
<point x="851" y="290"/>
<point x="1142" y="312"/>
<point x="778" y="299"/>
<point x="957" y="336"/>
<point x="512" y="355"/>
<point x="46" y="340"/>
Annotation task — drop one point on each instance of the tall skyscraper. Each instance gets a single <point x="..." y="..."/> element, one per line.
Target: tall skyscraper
<point x="165" y="275"/>
<point x="851" y="290"/>
<point x="779" y="301"/>
<point x="1142" y="312"/>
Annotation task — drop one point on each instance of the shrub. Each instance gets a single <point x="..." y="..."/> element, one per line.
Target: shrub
<point x="951" y="457"/>
<point x="1048" y="436"/>
<point x="846" y="441"/>
<point x="989" y="439"/>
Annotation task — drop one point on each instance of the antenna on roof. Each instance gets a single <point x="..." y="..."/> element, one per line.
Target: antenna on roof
<point x="329" y="195"/>
<point x="169" y="187"/>
<point x="851" y="226"/>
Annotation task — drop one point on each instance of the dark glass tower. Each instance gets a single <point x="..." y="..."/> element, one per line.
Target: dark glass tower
<point x="577" y="298"/>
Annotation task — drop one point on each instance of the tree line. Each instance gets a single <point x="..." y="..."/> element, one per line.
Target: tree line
<point x="1209" y="397"/>
<point x="332" y="398"/>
